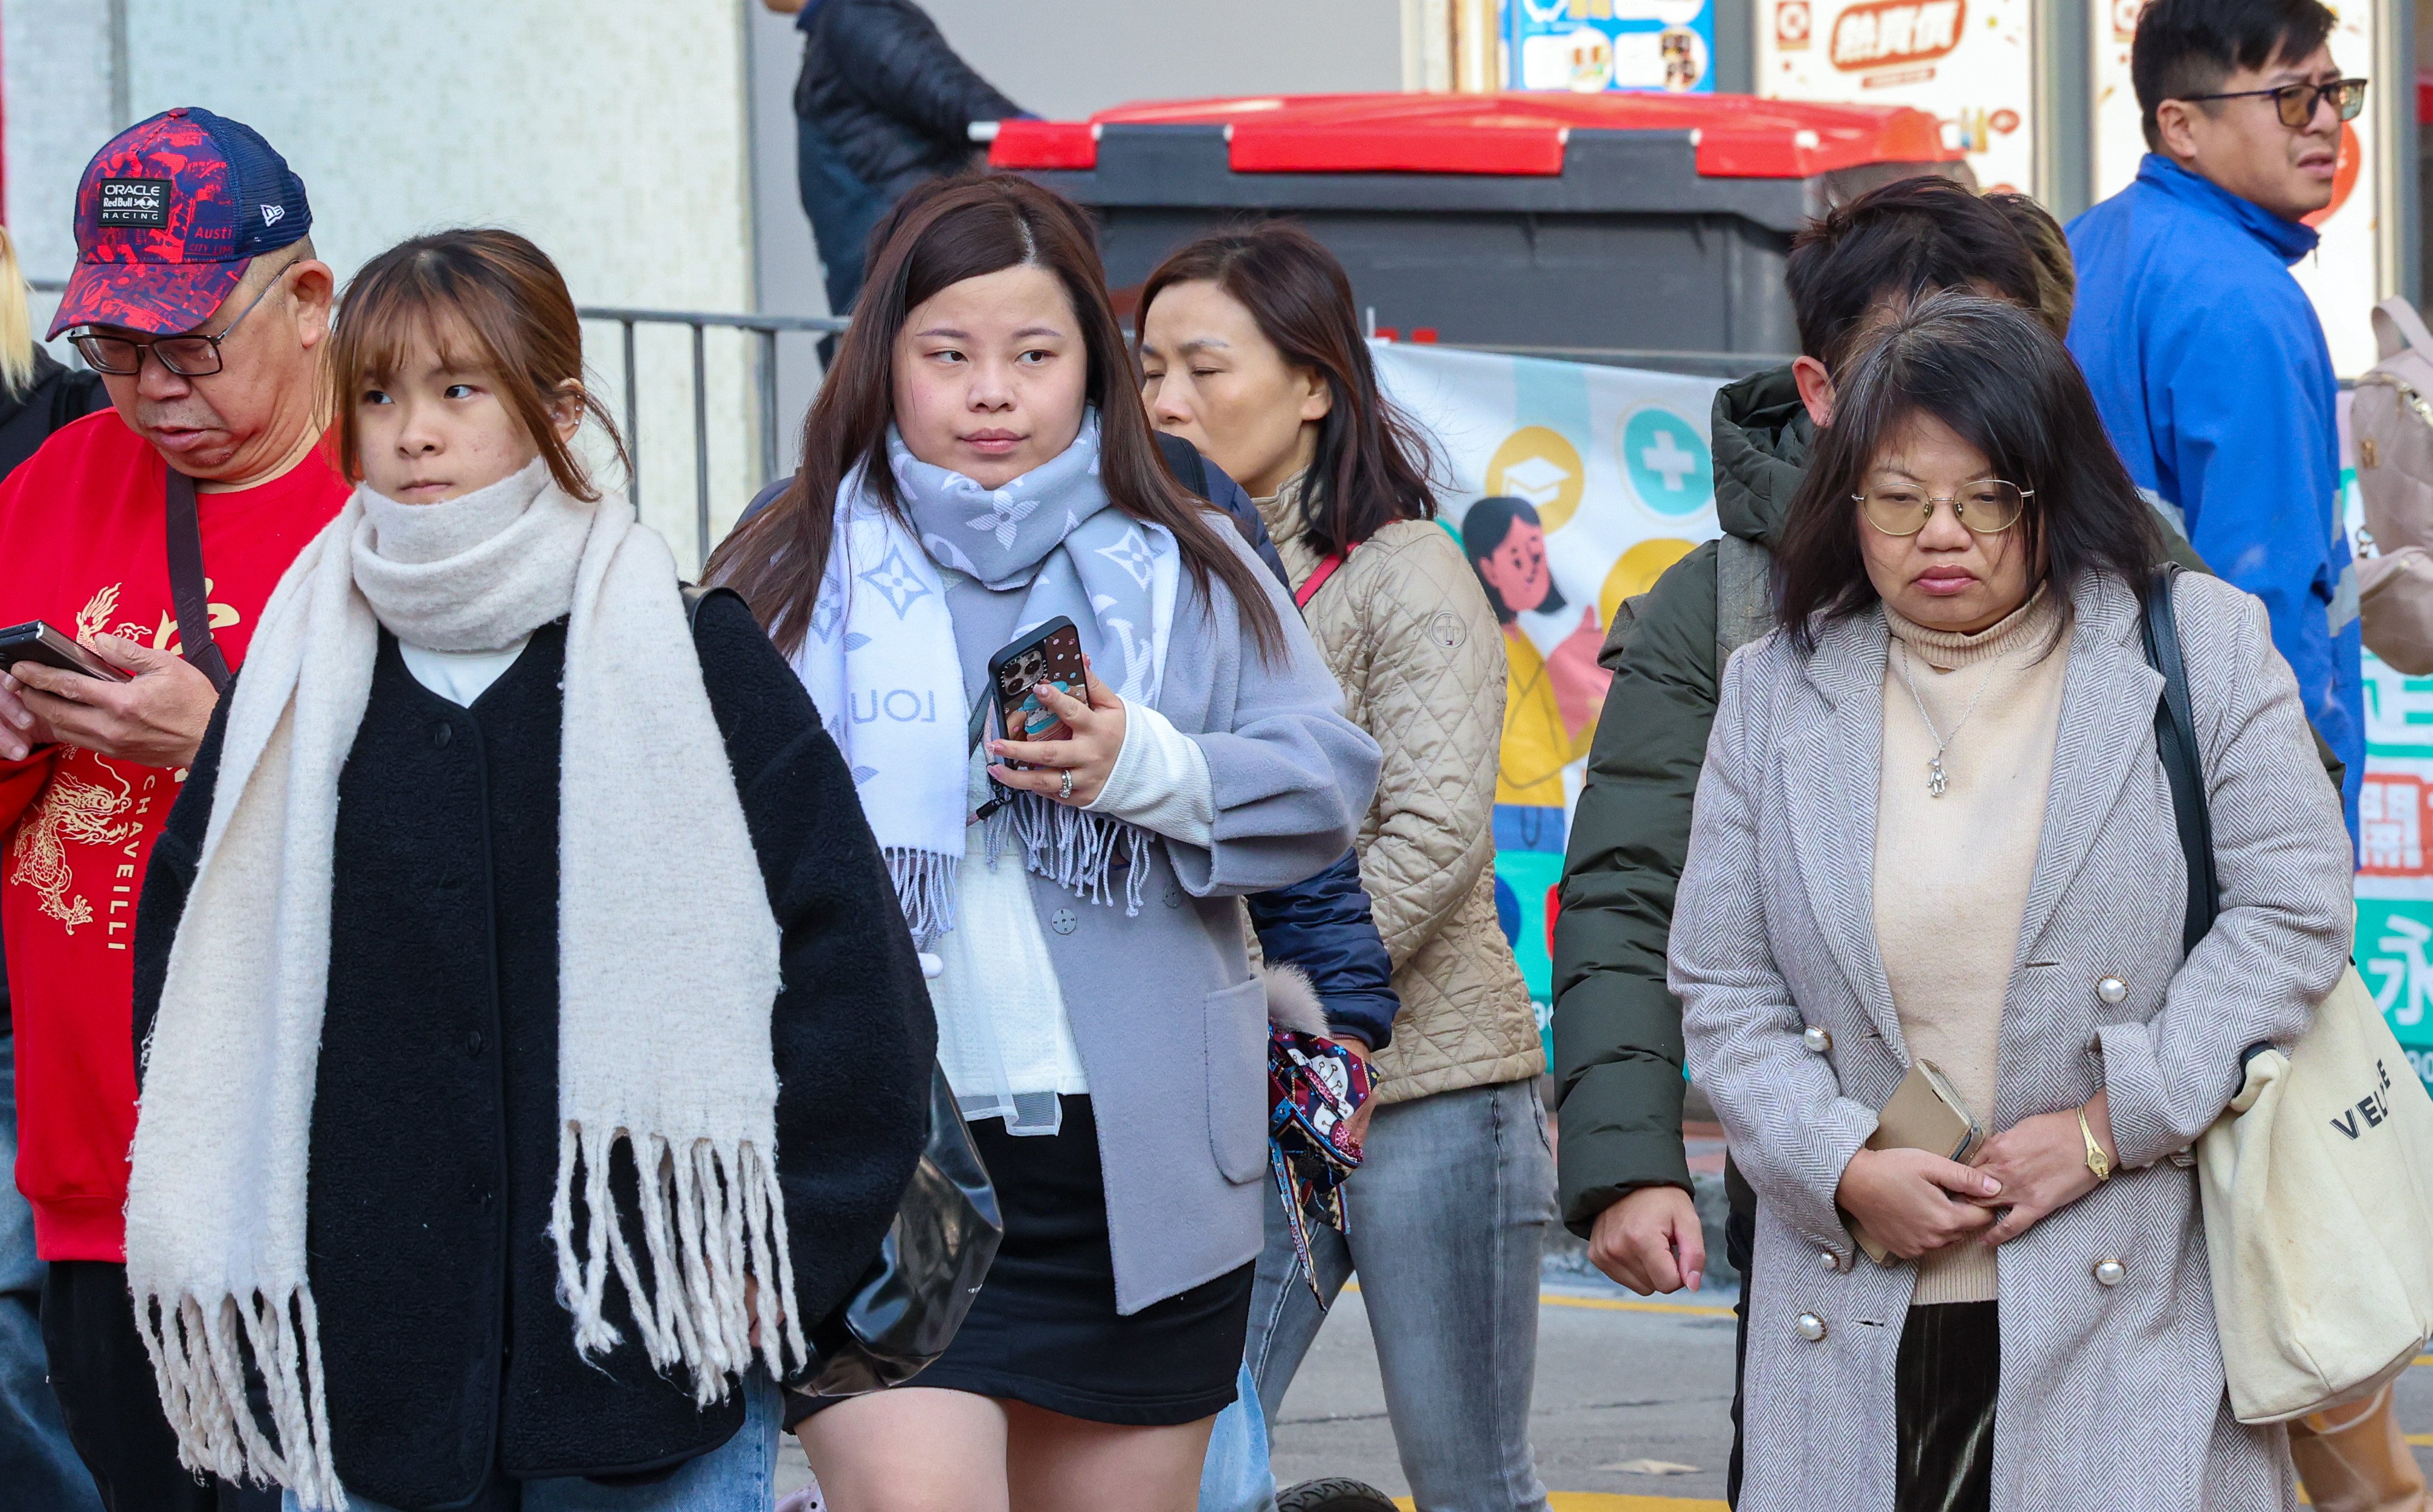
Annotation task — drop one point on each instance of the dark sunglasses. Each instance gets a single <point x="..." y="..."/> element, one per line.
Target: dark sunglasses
<point x="2296" y="102"/>
<point x="188" y="356"/>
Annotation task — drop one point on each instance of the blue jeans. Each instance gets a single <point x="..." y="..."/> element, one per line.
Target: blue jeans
<point x="738" y="1476"/>
<point x="843" y="210"/>
<point x="1449" y="1213"/>
<point x="37" y="1462"/>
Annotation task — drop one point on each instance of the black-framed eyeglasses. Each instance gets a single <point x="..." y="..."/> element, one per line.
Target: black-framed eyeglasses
<point x="188" y="356"/>
<point x="1987" y="507"/>
<point x="2296" y="102"/>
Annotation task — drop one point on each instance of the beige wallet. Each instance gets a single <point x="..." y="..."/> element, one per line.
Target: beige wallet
<point x="1924" y="1113"/>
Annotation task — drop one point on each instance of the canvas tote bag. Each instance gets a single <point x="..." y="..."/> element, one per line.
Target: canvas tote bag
<point x="2317" y="1182"/>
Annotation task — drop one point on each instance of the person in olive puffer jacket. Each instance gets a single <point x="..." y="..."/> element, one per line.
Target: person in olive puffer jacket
<point x="1250" y="349"/>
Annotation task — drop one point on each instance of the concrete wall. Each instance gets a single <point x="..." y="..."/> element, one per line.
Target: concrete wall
<point x="616" y="134"/>
<point x="1069" y="57"/>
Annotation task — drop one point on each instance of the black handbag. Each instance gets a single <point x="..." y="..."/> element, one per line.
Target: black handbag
<point x="915" y="1295"/>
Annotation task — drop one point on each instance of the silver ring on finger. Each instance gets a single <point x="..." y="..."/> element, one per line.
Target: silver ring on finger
<point x="1064" y="794"/>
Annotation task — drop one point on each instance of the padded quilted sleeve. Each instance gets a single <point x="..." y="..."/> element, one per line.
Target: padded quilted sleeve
<point x="1432" y="685"/>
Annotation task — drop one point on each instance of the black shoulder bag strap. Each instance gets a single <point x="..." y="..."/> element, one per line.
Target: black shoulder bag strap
<point x="2175" y="742"/>
<point x="186" y="586"/>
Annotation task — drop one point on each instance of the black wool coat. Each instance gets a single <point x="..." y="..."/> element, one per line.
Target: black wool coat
<point x="891" y="94"/>
<point x="450" y="1364"/>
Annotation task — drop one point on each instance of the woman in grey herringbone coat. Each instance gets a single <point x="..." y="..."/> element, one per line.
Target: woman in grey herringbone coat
<point x="1935" y="828"/>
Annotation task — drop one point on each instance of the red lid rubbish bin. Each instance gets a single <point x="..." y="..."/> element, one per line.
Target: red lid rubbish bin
<point x="1654" y="223"/>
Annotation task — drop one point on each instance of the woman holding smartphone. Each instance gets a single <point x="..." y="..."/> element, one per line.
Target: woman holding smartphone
<point x="974" y="467"/>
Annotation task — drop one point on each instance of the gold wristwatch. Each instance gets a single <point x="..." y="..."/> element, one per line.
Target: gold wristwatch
<point x="2096" y="1161"/>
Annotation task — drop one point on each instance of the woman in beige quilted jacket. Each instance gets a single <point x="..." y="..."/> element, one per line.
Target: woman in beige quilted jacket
<point x="1251" y="350"/>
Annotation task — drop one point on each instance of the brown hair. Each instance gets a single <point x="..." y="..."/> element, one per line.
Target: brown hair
<point x="2056" y="270"/>
<point x="1371" y="465"/>
<point x="1999" y="377"/>
<point x="493" y="288"/>
<point x="942" y="233"/>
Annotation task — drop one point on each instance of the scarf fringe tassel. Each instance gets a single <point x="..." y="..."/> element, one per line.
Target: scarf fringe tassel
<point x="199" y="1366"/>
<point x="925" y="890"/>
<point x="1073" y="848"/>
<point x="712" y="1224"/>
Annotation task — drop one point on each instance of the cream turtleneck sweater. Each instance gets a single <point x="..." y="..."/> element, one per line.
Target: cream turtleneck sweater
<point x="1953" y="872"/>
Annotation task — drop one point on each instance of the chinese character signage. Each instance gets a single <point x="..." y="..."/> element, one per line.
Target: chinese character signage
<point x="2394" y="885"/>
<point x="2395" y="877"/>
<point x="1968" y="62"/>
<point x="1591" y="45"/>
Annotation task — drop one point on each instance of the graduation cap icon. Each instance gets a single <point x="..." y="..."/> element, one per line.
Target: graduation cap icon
<point x="1536" y="479"/>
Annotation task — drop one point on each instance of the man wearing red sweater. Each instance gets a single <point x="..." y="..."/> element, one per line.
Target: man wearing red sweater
<point x="198" y="297"/>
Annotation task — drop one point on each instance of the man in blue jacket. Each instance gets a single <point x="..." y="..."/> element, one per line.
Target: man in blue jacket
<point x="2205" y="358"/>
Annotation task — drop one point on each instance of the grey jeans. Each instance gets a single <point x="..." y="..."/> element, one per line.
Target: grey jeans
<point x="1448" y="1214"/>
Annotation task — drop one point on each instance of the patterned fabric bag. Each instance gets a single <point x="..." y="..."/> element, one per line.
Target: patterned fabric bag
<point x="1313" y="1087"/>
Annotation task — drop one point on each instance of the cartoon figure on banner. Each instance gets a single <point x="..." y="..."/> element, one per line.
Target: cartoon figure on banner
<point x="1549" y="702"/>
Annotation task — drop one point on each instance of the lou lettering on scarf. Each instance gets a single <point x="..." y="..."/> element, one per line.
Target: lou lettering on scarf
<point x="903" y="704"/>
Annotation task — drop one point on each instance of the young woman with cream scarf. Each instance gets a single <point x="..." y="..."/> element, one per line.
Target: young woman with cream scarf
<point x="975" y="465"/>
<point x="493" y="882"/>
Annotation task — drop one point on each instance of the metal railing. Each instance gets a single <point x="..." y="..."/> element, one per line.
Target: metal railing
<point x="767" y="327"/>
<point x="765" y="381"/>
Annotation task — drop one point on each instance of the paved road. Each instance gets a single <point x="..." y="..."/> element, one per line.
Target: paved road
<point x="1619" y="1380"/>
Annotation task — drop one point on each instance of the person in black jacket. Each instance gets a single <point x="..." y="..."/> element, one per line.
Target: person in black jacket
<point x="884" y="103"/>
<point x="37" y="395"/>
<point x="593" y="893"/>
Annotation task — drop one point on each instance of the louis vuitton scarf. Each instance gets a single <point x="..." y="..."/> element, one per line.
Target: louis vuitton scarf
<point x="882" y="663"/>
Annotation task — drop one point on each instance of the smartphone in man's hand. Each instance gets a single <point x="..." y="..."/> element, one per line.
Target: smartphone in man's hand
<point x="43" y="644"/>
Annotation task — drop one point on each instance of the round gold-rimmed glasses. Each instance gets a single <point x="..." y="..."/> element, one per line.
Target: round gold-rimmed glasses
<point x="1987" y="507"/>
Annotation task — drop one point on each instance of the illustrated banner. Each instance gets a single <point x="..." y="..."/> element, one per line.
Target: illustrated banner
<point x="1570" y="487"/>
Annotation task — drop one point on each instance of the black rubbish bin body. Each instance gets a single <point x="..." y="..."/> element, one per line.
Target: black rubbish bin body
<point x="1554" y="224"/>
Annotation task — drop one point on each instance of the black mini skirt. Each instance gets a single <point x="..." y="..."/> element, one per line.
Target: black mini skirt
<point x="1043" y="1329"/>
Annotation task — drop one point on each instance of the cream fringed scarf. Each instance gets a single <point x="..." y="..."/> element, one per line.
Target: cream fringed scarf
<point x="668" y="965"/>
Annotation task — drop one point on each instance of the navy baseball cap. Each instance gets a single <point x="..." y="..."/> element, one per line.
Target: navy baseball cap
<point x="169" y="216"/>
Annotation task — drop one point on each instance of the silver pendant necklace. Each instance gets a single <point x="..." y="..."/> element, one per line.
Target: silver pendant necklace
<point x="1936" y="781"/>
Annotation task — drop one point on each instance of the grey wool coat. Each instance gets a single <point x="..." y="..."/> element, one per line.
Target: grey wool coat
<point x="2110" y="1396"/>
<point x="1170" y="1020"/>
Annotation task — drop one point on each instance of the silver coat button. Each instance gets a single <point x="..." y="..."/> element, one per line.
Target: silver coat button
<point x="1832" y="1260"/>
<point x="1810" y="1327"/>
<point x="2108" y="1272"/>
<point x="2113" y="990"/>
<point x="1817" y="1038"/>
